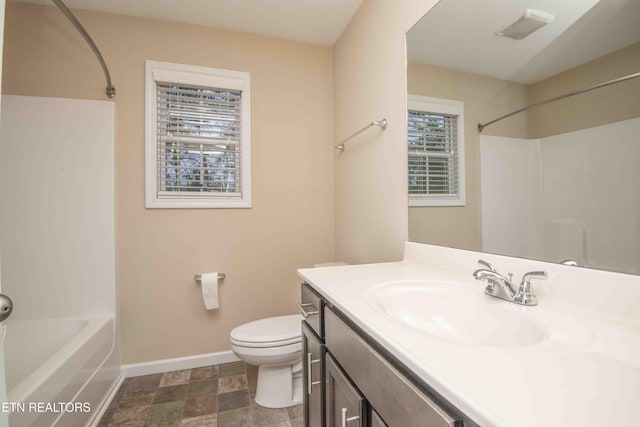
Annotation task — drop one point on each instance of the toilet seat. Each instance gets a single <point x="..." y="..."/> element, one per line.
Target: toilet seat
<point x="271" y="332"/>
<point x="265" y="344"/>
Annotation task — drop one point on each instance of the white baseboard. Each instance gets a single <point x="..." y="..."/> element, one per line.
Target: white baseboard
<point x="178" y="363"/>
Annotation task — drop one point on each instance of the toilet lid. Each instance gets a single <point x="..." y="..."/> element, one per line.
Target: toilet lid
<point x="269" y="332"/>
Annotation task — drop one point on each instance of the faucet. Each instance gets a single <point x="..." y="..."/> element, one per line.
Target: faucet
<point x="499" y="286"/>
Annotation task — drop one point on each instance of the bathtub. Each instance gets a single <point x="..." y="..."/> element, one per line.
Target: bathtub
<point x="59" y="361"/>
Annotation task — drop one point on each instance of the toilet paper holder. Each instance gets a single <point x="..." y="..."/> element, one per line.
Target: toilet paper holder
<point x="198" y="277"/>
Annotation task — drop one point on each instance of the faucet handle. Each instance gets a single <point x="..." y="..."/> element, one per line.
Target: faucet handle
<point x="541" y="275"/>
<point x="486" y="264"/>
<point x="525" y="294"/>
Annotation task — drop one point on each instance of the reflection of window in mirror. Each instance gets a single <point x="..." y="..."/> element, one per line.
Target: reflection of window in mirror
<point x="435" y="129"/>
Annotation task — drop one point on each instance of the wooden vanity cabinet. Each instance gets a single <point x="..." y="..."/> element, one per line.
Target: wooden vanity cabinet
<point x="348" y="383"/>
<point x="396" y="399"/>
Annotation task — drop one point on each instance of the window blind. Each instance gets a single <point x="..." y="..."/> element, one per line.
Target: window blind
<point x="433" y="153"/>
<point x="198" y="141"/>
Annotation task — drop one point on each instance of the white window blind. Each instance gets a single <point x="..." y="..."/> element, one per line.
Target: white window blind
<point x="433" y="153"/>
<point x="198" y="143"/>
<point x="198" y="138"/>
<point x="435" y="148"/>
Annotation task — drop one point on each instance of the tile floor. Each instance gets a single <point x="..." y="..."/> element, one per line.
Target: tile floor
<point x="217" y="396"/>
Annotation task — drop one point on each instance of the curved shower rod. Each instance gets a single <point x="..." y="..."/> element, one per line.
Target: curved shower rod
<point x="111" y="89"/>
<point x="481" y="126"/>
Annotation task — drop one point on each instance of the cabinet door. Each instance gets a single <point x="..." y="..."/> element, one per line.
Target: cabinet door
<point x="376" y="421"/>
<point x="313" y="372"/>
<point x="344" y="403"/>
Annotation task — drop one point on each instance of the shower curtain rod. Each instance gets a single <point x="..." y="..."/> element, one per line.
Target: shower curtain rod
<point x="111" y="89"/>
<point x="557" y="98"/>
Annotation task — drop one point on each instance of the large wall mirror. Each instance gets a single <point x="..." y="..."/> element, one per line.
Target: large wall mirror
<point x="556" y="182"/>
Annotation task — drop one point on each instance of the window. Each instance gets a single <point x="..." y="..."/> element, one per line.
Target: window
<point x="435" y="129"/>
<point x="198" y="137"/>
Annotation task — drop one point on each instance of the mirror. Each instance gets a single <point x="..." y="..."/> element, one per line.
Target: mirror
<point x="556" y="182"/>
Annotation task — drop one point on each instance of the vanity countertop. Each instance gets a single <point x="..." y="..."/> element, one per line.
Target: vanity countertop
<point x="585" y="371"/>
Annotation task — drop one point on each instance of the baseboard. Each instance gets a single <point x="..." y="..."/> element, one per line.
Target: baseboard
<point x="178" y="363"/>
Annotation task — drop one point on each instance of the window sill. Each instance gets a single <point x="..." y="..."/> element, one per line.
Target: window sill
<point x="437" y="202"/>
<point x="197" y="203"/>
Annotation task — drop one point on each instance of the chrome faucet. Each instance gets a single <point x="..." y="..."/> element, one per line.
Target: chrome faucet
<point x="499" y="286"/>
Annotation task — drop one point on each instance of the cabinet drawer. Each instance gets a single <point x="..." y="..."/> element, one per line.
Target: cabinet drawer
<point x="396" y="399"/>
<point x="311" y="307"/>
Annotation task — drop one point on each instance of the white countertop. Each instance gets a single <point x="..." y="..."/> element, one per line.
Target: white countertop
<point x="586" y="372"/>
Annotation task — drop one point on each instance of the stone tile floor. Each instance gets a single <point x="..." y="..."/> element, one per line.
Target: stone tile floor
<point x="217" y="396"/>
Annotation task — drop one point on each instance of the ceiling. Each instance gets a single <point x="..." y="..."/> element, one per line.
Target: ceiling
<point x="312" y="21"/>
<point x="459" y="34"/>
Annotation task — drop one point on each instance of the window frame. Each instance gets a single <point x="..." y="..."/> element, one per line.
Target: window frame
<point x="441" y="106"/>
<point x="197" y="76"/>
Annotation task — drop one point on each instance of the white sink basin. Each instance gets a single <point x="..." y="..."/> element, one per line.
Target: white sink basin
<point x="448" y="311"/>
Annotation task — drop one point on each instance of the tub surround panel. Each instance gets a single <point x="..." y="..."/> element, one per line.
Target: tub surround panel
<point x="160" y="307"/>
<point x="57" y="226"/>
<point x="555" y="380"/>
<point x="58" y="253"/>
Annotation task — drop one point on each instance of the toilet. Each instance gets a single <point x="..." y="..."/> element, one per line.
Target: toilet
<point x="274" y="345"/>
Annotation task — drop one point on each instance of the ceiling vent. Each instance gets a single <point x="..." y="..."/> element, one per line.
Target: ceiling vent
<point x="530" y="21"/>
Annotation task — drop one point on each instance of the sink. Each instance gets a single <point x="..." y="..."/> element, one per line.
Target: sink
<point x="451" y="311"/>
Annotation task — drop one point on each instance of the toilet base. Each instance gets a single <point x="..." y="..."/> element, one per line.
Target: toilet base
<point x="278" y="387"/>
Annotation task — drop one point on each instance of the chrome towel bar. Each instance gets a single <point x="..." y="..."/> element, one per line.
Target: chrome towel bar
<point x="382" y="123"/>
<point x="198" y="277"/>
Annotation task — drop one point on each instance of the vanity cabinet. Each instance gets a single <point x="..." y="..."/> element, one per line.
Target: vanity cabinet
<point x="360" y="387"/>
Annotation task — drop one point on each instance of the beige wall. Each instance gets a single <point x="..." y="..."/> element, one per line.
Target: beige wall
<point x="601" y="106"/>
<point x="158" y="251"/>
<point x="484" y="98"/>
<point x="369" y="76"/>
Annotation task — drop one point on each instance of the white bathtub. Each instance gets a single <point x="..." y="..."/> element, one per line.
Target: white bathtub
<point x="59" y="360"/>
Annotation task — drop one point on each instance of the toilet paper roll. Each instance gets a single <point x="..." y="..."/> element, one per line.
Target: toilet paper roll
<point x="209" y="284"/>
